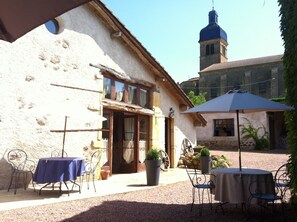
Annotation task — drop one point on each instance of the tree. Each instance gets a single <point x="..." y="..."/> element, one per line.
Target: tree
<point x="288" y="12"/>
<point x="197" y="99"/>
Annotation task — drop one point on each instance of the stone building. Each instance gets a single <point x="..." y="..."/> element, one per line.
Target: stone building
<point x="260" y="76"/>
<point x="190" y="85"/>
<point x="89" y="59"/>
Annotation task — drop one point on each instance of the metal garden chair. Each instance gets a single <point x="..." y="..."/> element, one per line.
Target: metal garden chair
<point x="91" y="167"/>
<point x="21" y="168"/>
<point x="282" y="179"/>
<point x="200" y="182"/>
<point x="263" y="199"/>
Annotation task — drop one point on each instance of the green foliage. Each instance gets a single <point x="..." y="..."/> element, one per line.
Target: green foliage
<point x="220" y="162"/>
<point x="288" y="20"/>
<point x="279" y="99"/>
<point x="153" y="154"/>
<point x="197" y="99"/>
<point x="250" y="132"/>
<point x="204" y="151"/>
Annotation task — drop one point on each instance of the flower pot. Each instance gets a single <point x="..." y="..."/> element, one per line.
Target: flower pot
<point x="104" y="173"/>
<point x="205" y="164"/>
<point x="152" y="172"/>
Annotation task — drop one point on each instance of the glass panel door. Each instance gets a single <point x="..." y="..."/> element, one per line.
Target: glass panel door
<point x="128" y="142"/>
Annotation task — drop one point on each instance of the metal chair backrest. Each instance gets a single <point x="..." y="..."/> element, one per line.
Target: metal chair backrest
<point x="282" y="175"/>
<point x="58" y="153"/>
<point x="191" y="171"/>
<point x="197" y="178"/>
<point x="94" y="162"/>
<point x="17" y="158"/>
<point x="282" y="178"/>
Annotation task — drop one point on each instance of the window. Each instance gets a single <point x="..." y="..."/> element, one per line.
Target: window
<point x="124" y="92"/>
<point x="262" y="87"/>
<point x="52" y="26"/>
<point x="107" y="88"/>
<point x="224" y="50"/>
<point x="143" y="138"/>
<point x="143" y="100"/>
<point x="132" y="94"/>
<point x="213" y="91"/>
<point x="212" y="49"/>
<point x="209" y="49"/>
<point x="223" y="127"/>
<point x="119" y="91"/>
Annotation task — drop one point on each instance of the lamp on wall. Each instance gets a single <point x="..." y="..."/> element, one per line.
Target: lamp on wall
<point x="171" y="112"/>
<point x="160" y="79"/>
<point x="116" y="34"/>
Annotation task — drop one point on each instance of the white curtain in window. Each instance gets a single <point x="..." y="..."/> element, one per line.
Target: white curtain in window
<point x="128" y="143"/>
<point x="142" y="149"/>
<point x="143" y="96"/>
<point x="119" y="96"/>
<point x="105" y="89"/>
<point x="128" y="150"/>
<point x="104" y="156"/>
<point x="130" y="94"/>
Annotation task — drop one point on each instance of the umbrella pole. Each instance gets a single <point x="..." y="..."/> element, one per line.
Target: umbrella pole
<point x="65" y="124"/>
<point x="238" y="139"/>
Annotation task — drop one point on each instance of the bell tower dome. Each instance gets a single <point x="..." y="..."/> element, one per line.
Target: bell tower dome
<point x="213" y="42"/>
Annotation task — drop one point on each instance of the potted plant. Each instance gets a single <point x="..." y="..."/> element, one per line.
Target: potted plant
<point x="205" y="160"/>
<point x="152" y="165"/>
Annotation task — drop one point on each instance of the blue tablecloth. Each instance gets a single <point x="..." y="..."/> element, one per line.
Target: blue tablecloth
<point x="58" y="169"/>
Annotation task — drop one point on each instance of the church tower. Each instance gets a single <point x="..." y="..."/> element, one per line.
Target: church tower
<point x="213" y="42"/>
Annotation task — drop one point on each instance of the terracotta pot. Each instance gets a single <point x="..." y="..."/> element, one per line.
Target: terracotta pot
<point x="104" y="173"/>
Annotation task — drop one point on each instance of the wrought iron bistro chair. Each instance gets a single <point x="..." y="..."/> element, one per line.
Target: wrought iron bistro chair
<point x="200" y="182"/>
<point x="264" y="200"/>
<point x="91" y="167"/>
<point x="58" y="153"/>
<point x="282" y="179"/>
<point x="21" y="168"/>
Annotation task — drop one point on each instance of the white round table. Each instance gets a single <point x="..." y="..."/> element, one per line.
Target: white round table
<point x="232" y="185"/>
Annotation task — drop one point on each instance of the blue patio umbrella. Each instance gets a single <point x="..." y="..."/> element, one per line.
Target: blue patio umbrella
<point x="237" y="101"/>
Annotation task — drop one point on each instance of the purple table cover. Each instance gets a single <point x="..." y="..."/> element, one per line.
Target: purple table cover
<point x="58" y="169"/>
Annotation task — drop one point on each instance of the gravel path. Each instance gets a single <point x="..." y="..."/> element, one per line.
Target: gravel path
<point x="162" y="203"/>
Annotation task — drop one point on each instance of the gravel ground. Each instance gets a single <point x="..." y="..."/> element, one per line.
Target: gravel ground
<point x="162" y="203"/>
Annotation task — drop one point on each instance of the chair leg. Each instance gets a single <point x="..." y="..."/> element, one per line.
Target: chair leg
<point x="193" y="197"/>
<point x="200" y="199"/>
<point x="11" y="179"/>
<point x="94" y="182"/>
<point x="25" y="177"/>
<point x="88" y="179"/>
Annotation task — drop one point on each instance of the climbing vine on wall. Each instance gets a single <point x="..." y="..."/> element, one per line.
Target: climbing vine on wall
<point x="288" y="12"/>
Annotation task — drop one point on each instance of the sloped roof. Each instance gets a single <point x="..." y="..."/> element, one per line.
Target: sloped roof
<point x="115" y="25"/>
<point x="243" y="63"/>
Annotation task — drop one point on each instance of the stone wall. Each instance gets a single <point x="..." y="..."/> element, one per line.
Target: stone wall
<point x="226" y="145"/>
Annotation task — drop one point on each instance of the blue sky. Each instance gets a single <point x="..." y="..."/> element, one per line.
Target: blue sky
<point x="169" y="29"/>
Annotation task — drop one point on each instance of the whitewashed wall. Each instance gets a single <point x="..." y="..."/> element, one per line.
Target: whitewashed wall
<point x="35" y="61"/>
<point x="184" y="126"/>
<point x="258" y="119"/>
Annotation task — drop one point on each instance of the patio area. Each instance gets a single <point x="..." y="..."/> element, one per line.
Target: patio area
<point x="125" y="197"/>
<point x="118" y="183"/>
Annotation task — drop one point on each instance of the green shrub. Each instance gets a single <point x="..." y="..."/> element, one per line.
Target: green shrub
<point x="153" y="154"/>
<point x="204" y="152"/>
